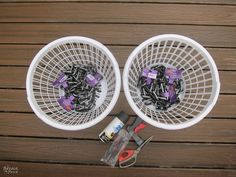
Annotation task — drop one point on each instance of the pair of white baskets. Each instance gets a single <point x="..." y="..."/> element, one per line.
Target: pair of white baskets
<point x="200" y="76"/>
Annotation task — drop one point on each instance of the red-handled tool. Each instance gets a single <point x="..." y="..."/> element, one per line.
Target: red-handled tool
<point x="128" y="158"/>
<point x="126" y="155"/>
<point x="137" y="125"/>
<point x="140" y="127"/>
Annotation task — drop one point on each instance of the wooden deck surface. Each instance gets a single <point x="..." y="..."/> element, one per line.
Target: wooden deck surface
<point x="32" y="148"/>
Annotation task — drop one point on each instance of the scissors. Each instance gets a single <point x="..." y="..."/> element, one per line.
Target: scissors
<point x="128" y="158"/>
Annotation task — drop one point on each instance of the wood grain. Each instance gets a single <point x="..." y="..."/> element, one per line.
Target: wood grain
<point x="128" y="34"/>
<point x="118" y="13"/>
<point x="14" y="100"/>
<point x="61" y="170"/>
<point x="23" y="54"/>
<point x="208" y="2"/>
<point x="90" y="152"/>
<point x="208" y="130"/>
<point x="206" y="149"/>
<point x="15" y="77"/>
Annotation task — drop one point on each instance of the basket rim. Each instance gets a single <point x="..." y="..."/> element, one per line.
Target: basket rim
<point x="128" y="96"/>
<point x="45" y="118"/>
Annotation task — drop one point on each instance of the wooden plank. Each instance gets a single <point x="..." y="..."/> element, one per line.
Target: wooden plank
<point x="228" y="81"/>
<point x="118" y="13"/>
<point x="15" y="77"/>
<point x="15" y="100"/>
<point x="224" y="58"/>
<point x="23" y="54"/>
<point x="60" y="170"/>
<point x="208" y="130"/>
<point x="18" y="54"/>
<point x="128" y="34"/>
<point x="90" y="152"/>
<point x="209" y="2"/>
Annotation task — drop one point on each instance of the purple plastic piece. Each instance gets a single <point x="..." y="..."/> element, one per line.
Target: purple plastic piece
<point x="66" y="103"/>
<point x="148" y="81"/>
<point x="91" y="80"/>
<point x="61" y="81"/>
<point x="98" y="76"/>
<point x="64" y="84"/>
<point x="173" y="74"/>
<point x="152" y="74"/>
<point x="166" y="94"/>
<point x="149" y="74"/>
<point x="145" y="72"/>
<point x="170" y="94"/>
<point x="173" y="98"/>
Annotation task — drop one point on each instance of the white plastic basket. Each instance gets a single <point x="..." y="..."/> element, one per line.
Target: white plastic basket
<point x="200" y="76"/>
<point x="56" y="57"/>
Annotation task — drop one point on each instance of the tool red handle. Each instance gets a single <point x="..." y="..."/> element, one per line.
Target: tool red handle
<point x="139" y="127"/>
<point x="126" y="155"/>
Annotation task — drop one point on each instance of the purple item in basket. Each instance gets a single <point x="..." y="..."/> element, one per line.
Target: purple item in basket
<point x="149" y="74"/>
<point x="145" y="72"/>
<point x="152" y="74"/>
<point x="170" y="94"/>
<point x="160" y="86"/>
<point x="61" y="81"/>
<point x="91" y="80"/>
<point x="98" y="76"/>
<point x="173" y="74"/>
<point x="66" y="103"/>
